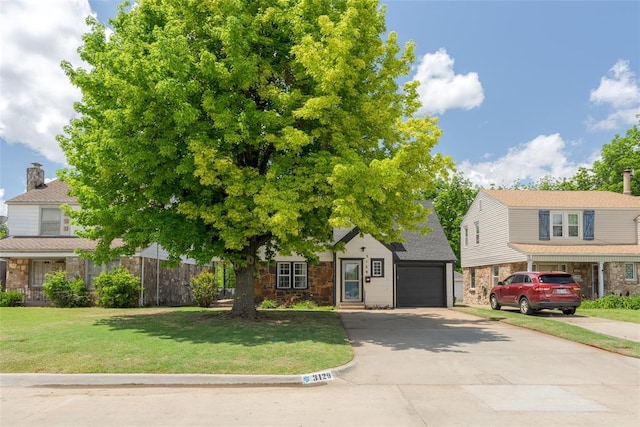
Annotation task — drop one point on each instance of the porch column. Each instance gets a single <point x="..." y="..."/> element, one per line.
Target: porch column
<point x="529" y="263"/>
<point x="600" y="279"/>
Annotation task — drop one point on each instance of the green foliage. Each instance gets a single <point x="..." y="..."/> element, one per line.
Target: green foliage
<point x="204" y="288"/>
<point x="452" y="198"/>
<point x="268" y="304"/>
<point x="217" y="128"/>
<point x="225" y="275"/>
<point x="3" y="230"/>
<point x="613" y="302"/>
<point x="117" y="289"/>
<point x="304" y="305"/>
<point x="11" y="299"/>
<point x="64" y="292"/>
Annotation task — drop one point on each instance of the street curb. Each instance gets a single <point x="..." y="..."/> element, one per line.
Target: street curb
<point x="168" y="380"/>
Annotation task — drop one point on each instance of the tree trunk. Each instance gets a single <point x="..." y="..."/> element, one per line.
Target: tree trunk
<point x="244" y="302"/>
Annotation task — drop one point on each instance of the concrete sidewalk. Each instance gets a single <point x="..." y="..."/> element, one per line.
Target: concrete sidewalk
<point x="625" y="330"/>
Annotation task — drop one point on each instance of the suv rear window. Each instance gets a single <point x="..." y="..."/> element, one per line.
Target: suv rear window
<point x="555" y="278"/>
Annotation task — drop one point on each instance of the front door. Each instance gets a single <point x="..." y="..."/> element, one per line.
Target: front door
<point x="351" y="280"/>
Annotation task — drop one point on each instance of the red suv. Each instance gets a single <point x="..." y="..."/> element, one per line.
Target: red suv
<point x="535" y="290"/>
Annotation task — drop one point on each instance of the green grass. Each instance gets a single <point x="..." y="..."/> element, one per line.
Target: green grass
<point x="169" y="340"/>
<point x="565" y="330"/>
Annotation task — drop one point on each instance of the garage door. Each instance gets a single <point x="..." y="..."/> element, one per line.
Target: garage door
<point x="420" y="286"/>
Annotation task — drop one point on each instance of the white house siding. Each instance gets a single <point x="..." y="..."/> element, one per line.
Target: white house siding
<point x="493" y="218"/>
<point x="379" y="291"/>
<point x="611" y="227"/>
<point x="23" y="220"/>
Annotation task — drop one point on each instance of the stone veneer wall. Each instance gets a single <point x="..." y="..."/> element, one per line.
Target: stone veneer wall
<point x="484" y="281"/>
<point x="173" y="286"/>
<point x="320" y="289"/>
<point x="615" y="282"/>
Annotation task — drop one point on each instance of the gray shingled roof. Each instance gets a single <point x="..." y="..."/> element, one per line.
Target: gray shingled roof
<point x="55" y="191"/>
<point x="433" y="246"/>
<point x="48" y="244"/>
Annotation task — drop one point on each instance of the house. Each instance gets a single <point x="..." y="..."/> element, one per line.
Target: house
<point x="594" y="235"/>
<point x="417" y="272"/>
<point x="41" y="240"/>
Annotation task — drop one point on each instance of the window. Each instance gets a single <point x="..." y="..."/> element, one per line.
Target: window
<point x="377" y="267"/>
<point x="39" y="269"/>
<point x="565" y="225"/>
<point x="496" y="275"/>
<point x="472" y="271"/>
<point x="291" y="275"/>
<point x="477" y="224"/>
<point x="94" y="270"/>
<point x="50" y="221"/>
<point x="630" y="271"/>
<point x="466" y="236"/>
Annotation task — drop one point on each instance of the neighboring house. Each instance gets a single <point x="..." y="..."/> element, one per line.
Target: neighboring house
<point x="594" y="235"/>
<point x="368" y="274"/>
<point x="41" y="240"/>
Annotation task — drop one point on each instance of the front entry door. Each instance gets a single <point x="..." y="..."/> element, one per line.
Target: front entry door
<point x="351" y="280"/>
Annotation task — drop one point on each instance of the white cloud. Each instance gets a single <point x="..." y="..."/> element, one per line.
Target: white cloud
<point x="619" y="91"/>
<point x="441" y="89"/>
<point x="37" y="98"/>
<point x="528" y="162"/>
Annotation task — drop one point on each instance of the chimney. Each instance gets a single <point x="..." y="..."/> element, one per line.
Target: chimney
<point x="35" y="176"/>
<point x="626" y="182"/>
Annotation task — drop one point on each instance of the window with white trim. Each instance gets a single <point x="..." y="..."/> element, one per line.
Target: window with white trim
<point x="377" y="267"/>
<point x="291" y="275"/>
<point x="50" y="219"/>
<point x="40" y="268"/>
<point x="472" y="272"/>
<point x="477" y="225"/>
<point x="466" y="236"/>
<point x="93" y="270"/>
<point x="630" y="272"/>
<point x="565" y="225"/>
<point x="496" y="274"/>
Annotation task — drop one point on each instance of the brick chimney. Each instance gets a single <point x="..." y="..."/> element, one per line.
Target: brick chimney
<point x="626" y="182"/>
<point x="35" y="176"/>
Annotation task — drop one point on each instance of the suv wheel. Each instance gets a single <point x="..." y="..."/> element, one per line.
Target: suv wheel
<point x="569" y="311"/>
<point x="493" y="300"/>
<point x="525" y="308"/>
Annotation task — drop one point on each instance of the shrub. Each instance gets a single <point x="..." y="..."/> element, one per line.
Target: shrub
<point x="117" y="289"/>
<point x="204" y="289"/>
<point x="613" y="301"/>
<point x="64" y="292"/>
<point x="305" y="305"/>
<point x="11" y="299"/>
<point x="268" y="304"/>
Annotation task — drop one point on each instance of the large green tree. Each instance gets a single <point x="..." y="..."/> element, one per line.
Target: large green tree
<point x="623" y="152"/>
<point x="216" y="128"/>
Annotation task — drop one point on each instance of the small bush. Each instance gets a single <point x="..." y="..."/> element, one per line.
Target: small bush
<point x="268" y="304"/>
<point x="64" y="292"/>
<point x="204" y="289"/>
<point x="613" y="301"/>
<point x="117" y="289"/>
<point x="11" y="299"/>
<point x="304" y="305"/>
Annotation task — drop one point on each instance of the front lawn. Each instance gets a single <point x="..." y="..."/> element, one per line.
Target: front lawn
<point x="169" y="340"/>
<point x="565" y="330"/>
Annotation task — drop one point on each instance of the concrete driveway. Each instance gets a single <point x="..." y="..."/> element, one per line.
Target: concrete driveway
<point x="420" y="367"/>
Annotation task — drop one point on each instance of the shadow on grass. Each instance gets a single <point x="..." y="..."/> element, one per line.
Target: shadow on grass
<point x="220" y="327"/>
<point x="420" y="330"/>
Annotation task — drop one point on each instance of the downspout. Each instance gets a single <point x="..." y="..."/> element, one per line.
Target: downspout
<point x="600" y="279"/>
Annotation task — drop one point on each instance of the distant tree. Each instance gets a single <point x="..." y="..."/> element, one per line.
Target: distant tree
<point x="452" y="197"/>
<point x="620" y="154"/>
<point x="218" y="128"/>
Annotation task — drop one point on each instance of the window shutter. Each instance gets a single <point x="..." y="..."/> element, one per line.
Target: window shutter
<point x="543" y="225"/>
<point x="588" y="219"/>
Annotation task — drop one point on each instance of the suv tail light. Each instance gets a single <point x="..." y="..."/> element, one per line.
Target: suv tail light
<point x="541" y="288"/>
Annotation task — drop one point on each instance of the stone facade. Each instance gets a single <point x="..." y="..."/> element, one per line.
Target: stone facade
<point x="319" y="290"/>
<point x="585" y="274"/>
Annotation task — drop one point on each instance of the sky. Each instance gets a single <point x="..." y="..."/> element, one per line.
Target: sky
<point x="521" y="89"/>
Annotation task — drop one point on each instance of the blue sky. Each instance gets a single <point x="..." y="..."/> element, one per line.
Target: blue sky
<point x="521" y="89"/>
